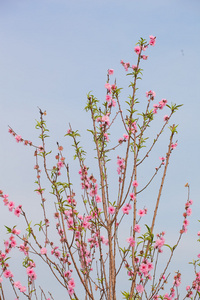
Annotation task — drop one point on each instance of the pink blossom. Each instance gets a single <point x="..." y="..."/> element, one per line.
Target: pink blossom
<point x="155" y="111"/>
<point x="31" y="273"/>
<point x="128" y="205"/>
<point x="159" y="243"/>
<point x="139" y="288"/>
<point x="11" y="205"/>
<point x="150" y="93"/>
<point x="1" y="279"/>
<point x="143" y="268"/>
<point x="126" y="66"/>
<point x="18" y="138"/>
<point x="17" y="211"/>
<point x="13" y="243"/>
<point x="98" y="199"/>
<point x="144" y="57"/>
<point x="70" y="291"/>
<point x="162" y="103"/>
<point x="112" y="103"/>
<point x="135" y="183"/>
<point x="106" y="137"/>
<point x="105" y="119"/>
<point x="108" y="86"/>
<point x="166" y="118"/>
<point x="173" y="146"/>
<point x="17" y="284"/>
<point x="16" y="231"/>
<point x="43" y="251"/>
<point x="132" y="196"/>
<point x="110" y="71"/>
<point x="71" y="283"/>
<point x="134" y="67"/>
<point x="162" y="158"/>
<point x="125" y="210"/>
<point x="22" y="289"/>
<point x="67" y="274"/>
<point x="131" y="241"/>
<point x="137" y="50"/>
<point x="186" y="222"/>
<point x="40" y="148"/>
<point x="108" y="98"/>
<point x="150" y="266"/>
<point x="125" y="136"/>
<point x="111" y="210"/>
<point x="152" y="40"/>
<point x="7" y="274"/>
<point x="60" y="164"/>
<point x="141" y="212"/>
<point x="137" y="228"/>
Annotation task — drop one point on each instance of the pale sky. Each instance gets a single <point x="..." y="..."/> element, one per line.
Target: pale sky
<point x="53" y="52"/>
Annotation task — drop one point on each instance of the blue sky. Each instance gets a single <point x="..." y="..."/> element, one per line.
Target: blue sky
<point x="54" y="52"/>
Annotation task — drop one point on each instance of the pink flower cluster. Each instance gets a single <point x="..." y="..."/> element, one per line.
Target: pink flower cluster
<point x="30" y="271"/>
<point x="177" y="279"/>
<point x="60" y="165"/>
<point x="131" y="241"/>
<point x="161" y="104"/>
<point x="142" y="212"/>
<point x="145" y="267"/>
<point x="104" y="121"/>
<point x="120" y="162"/>
<point x="162" y="159"/>
<point x="188" y="212"/>
<point x="150" y="94"/>
<point x="18" y="138"/>
<point x="110" y="71"/>
<point x="94" y="240"/>
<point x="7" y="274"/>
<point x="124" y="139"/>
<point x="85" y="254"/>
<point x="138" y="50"/>
<point x="9" y="244"/>
<point x="140" y="288"/>
<point x="89" y="183"/>
<point x="126" y="208"/>
<point x="173" y="146"/>
<point x="159" y="242"/>
<point x="111" y="210"/>
<point x="152" y="40"/>
<point x="125" y="65"/>
<point x="24" y="248"/>
<point x="55" y="252"/>
<point x="71" y="286"/>
<point x="11" y="204"/>
<point x="18" y="285"/>
<point x="195" y="286"/>
<point x="132" y="196"/>
<point x="133" y="128"/>
<point x="135" y="183"/>
<point x="110" y="91"/>
<point x="137" y="228"/>
<point x="104" y="240"/>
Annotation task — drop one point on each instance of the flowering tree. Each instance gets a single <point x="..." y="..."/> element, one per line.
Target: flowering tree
<point x="90" y="250"/>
